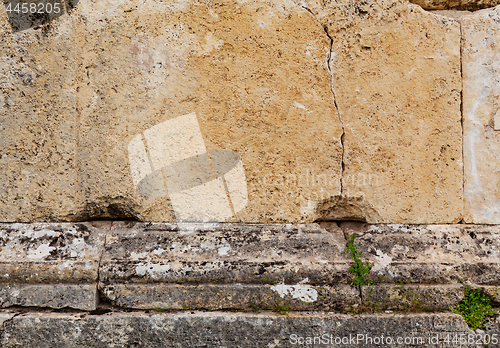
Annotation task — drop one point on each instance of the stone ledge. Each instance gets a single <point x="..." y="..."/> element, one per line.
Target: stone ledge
<point x="224" y="253"/>
<point x="431" y="254"/>
<point x="78" y="296"/>
<point x="50" y="252"/>
<point x="159" y="265"/>
<point x="230" y="296"/>
<point x="220" y="329"/>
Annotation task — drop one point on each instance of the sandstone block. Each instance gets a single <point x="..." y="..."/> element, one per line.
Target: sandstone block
<point x="481" y="80"/>
<point x="397" y="82"/>
<point x="254" y="74"/>
<point x="265" y="82"/>
<point x="37" y="122"/>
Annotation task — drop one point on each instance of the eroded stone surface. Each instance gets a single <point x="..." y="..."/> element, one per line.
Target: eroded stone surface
<point x="231" y="297"/>
<point x="225" y="253"/>
<point x="50" y="252"/>
<point x="412" y="298"/>
<point x="481" y="105"/>
<point x="212" y="329"/>
<point x="52" y="265"/>
<point x="78" y="296"/>
<point x="235" y="266"/>
<point x="258" y="84"/>
<point x="257" y="76"/>
<point x="78" y="89"/>
<point x="397" y="83"/>
<point x="37" y="122"/>
<point x="442" y="254"/>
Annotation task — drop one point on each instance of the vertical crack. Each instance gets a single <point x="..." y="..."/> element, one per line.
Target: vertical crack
<point x="106" y="234"/>
<point x="462" y="116"/>
<point x="328" y="59"/>
<point x="5" y="323"/>
<point x="338" y="112"/>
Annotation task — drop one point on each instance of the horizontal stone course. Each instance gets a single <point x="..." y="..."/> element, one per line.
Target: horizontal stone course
<point x="78" y="296"/>
<point x="254" y="297"/>
<point x="225" y="253"/>
<point x="223" y="329"/>
<point x="439" y="254"/>
<point x="240" y="266"/>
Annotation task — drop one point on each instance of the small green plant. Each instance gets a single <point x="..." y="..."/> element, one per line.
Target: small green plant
<point x="359" y="270"/>
<point x="474" y="308"/>
<point x="161" y="309"/>
<point x="281" y="309"/>
<point x="255" y="307"/>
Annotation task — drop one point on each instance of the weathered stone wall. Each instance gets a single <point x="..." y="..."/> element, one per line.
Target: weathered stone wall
<point x="109" y="284"/>
<point x="244" y="138"/>
<point x="339" y="111"/>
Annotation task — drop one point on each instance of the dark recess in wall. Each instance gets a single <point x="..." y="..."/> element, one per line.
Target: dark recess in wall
<point x="457" y="5"/>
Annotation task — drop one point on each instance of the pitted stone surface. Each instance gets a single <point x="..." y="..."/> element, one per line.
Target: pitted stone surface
<point x="215" y="329"/>
<point x="436" y="254"/>
<point x="405" y="297"/>
<point x="397" y="82"/>
<point x="50" y="252"/>
<point x="78" y="296"/>
<point x="76" y="92"/>
<point x="481" y="80"/>
<point x="264" y="80"/>
<point x="250" y="297"/>
<point x="50" y="264"/>
<point x="37" y="122"/>
<point x="259" y="86"/>
<point x="233" y="266"/>
<point x="225" y="253"/>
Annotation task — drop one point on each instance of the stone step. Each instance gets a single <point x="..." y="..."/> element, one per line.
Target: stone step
<point x="242" y="266"/>
<point x="231" y="330"/>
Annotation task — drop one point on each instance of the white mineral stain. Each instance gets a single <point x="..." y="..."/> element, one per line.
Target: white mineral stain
<point x="78" y="247"/>
<point x="154" y="270"/>
<point x="224" y="250"/>
<point x="302" y="291"/>
<point x="383" y="260"/>
<point x="42" y="251"/>
<point x="300" y="106"/>
<point x="137" y="256"/>
<point x="159" y="251"/>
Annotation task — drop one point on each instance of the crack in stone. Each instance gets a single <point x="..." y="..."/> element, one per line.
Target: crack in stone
<point x="5" y="323"/>
<point x="462" y="117"/>
<point x="334" y="98"/>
